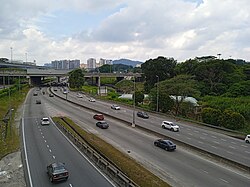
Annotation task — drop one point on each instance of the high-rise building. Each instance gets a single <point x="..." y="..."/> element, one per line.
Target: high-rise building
<point x="65" y="64"/>
<point x="91" y="63"/>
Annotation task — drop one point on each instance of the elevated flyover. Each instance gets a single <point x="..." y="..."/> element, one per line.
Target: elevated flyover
<point x="36" y="75"/>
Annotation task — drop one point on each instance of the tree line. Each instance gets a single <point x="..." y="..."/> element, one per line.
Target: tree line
<point x="215" y="83"/>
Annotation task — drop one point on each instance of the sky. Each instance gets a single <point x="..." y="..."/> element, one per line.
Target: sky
<point x="46" y="30"/>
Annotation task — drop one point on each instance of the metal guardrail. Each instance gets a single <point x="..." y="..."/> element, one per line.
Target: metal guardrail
<point x="99" y="160"/>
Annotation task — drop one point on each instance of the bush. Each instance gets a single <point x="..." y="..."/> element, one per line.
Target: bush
<point x="232" y="120"/>
<point x="211" y="116"/>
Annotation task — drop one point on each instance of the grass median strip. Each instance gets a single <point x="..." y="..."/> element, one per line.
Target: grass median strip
<point x="128" y="165"/>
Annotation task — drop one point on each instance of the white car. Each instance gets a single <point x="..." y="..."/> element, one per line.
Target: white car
<point x="79" y="95"/>
<point x="115" y="107"/>
<point x="247" y="139"/>
<point x="170" y="125"/>
<point x="91" y="99"/>
<point x="45" y="121"/>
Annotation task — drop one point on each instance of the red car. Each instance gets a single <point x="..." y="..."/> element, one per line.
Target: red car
<point x="98" y="116"/>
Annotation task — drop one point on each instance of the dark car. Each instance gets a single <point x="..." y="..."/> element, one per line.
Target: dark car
<point x="98" y="116"/>
<point x="142" y="115"/>
<point x="51" y="95"/>
<point x="102" y="124"/>
<point x="57" y="172"/>
<point x="165" y="144"/>
<point x="38" y="101"/>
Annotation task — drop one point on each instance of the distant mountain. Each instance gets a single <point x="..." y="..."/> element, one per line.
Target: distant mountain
<point x="126" y="62"/>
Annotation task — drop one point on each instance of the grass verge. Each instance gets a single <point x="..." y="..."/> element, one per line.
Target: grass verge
<point x="10" y="141"/>
<point x="128" y="165"/>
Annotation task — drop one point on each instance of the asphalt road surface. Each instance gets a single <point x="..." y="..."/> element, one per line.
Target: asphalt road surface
<point x="204" y="138"/>
<point x="180" y="168"/>
<point x="46" y="144"/>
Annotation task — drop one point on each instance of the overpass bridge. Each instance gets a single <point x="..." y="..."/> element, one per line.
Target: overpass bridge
<point x="35" y="76"/>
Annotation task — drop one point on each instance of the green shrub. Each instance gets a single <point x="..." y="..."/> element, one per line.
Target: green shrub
<point x="211" y="116"/>
<point x="232" y="120"/>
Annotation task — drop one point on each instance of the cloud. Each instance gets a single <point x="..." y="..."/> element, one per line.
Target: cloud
<point x="128" y="29"/>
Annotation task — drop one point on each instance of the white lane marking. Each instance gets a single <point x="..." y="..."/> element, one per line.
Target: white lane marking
<point x="213" y="136"/>
<point x="43" y="137"/>
<point x="204" y="134"/>
<point x="40" y="129"/>
<point x="229" y="152"/>
<point x="216" y="142"/>
<point x="247" y="152"/>
<point x="41" y="133"/>
<point x="188" y="138"/>
<point x="232" y="147"/>
<point x="196" y="131"/>
<point x="25" y="153"/>
<point x="83" y="155"/>
<point x="243" y="146"/>
<point x="204" y="171"/>
<point x="49" y="150"/>
<point x="214" y="147"/>
<point x="233" y="142"/>
<point x="54" y="157"/>
<point x="48" y="146"/>
<point x="224" y="180"/>
<point x="190" y="134"/>
<point x="70" y="185"/>
<point x="223" y="139"/>
<point x="200" y="142"/>
<point x="45" y="141"/>
<point x="189" y="129"/>
<point x="202" y="138"/>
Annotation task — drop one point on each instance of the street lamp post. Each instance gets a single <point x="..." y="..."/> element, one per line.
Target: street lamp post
<point x="157" y="97"/>
<point x="11" y="54"/>
<point x="133" y="123"/>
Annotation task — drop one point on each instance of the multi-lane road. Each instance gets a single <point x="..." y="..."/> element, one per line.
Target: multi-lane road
<point x="204" y="138"/>
<point x="180" y="168"/>
<point x="43" y="145"/>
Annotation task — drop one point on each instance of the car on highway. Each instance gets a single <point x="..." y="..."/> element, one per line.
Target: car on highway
<point x="170" y="126"/>
<point x="35" y="94"/>
<point x="165" y="144"/>
<point x="102" y="124"/>
<point x="79" y="95"/>
<point x="98" y="116"/>
<point x="51" y="95"/>
<point x="38" y="101"/>
<point x="142" y="115"/>
<point x="115" y="107"/>
<point x="247" y="139"/>
<point x="91" y="99"/>
<point x="65" y="92"/>
<point x="45" y="121"/>
<point x="57" y="172"/>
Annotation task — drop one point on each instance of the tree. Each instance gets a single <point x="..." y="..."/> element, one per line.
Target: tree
<point x="232" y="120"/>
<point x="179" y="87"/>
<point x="126" y="86"/>
<point x="106" y="68"/>
<point x="162" y="67"/>
<point x="139" y="96"/>
<point x="76" y="78"/>
<point x="166" y="103"/>
<point x="211" y="116"/>
<point x="215" y="75"/>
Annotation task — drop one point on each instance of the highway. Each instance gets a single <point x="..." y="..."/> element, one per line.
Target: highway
<point x="46" y="144"/>
<point x="201" y="137"/>
<point x="180" y="168"/>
